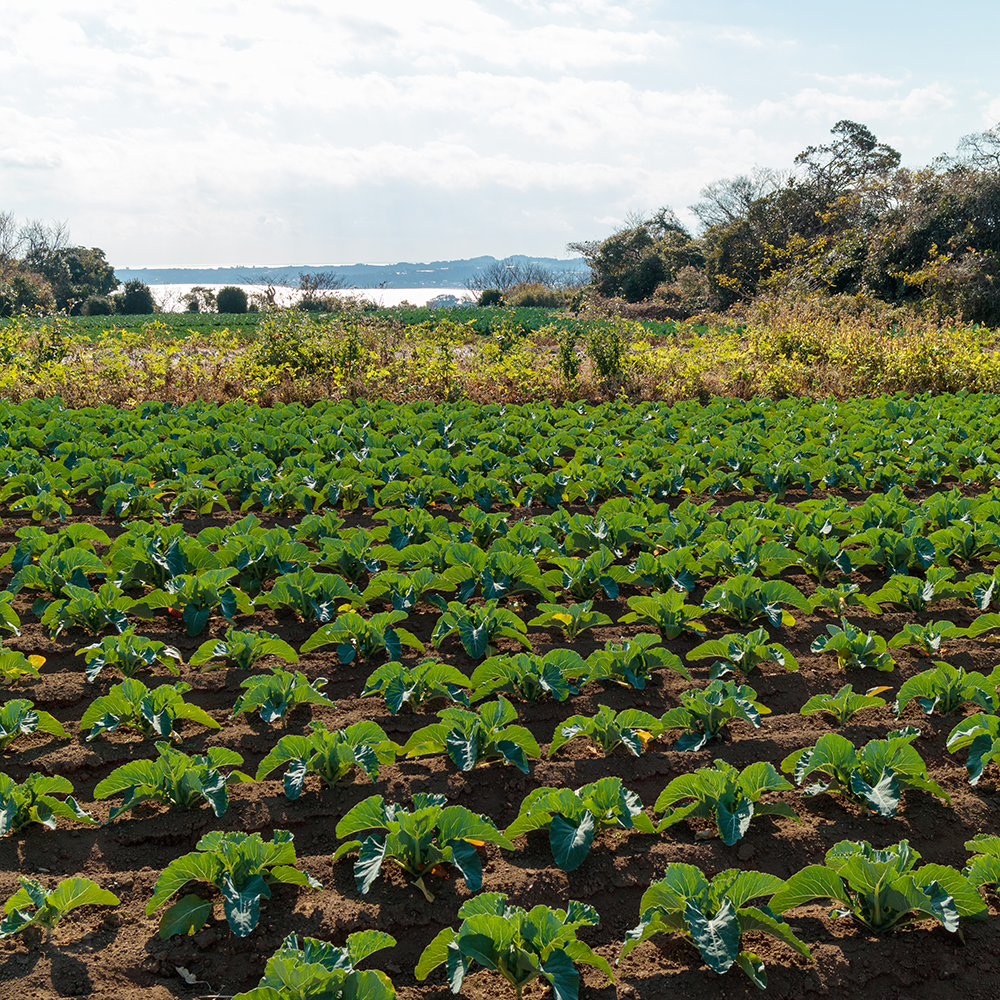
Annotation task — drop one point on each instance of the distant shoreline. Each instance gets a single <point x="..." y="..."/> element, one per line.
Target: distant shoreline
<point x="443" y="274"/>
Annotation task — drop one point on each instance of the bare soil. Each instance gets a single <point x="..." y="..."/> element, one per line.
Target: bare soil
<point x="105" y="953"/>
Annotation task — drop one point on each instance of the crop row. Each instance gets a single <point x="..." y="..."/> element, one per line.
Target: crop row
<point x="166" y="461"/>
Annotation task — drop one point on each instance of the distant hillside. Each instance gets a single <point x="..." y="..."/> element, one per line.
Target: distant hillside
<point x="435" y="274"/>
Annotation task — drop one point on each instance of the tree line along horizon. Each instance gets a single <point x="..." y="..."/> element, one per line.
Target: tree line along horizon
<point x="844" y="223"/>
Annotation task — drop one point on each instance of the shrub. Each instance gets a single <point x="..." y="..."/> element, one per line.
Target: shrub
<point x="136" y="300"/>
<point x="231" y="299"/>
<point x="490" y="297"/>
<point x="98" y="305"/>
<point x="534" y="293"/>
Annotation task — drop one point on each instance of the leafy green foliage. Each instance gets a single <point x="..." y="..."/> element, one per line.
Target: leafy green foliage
<point x="981" y="734"/>
<point x="573" y="817"/>
<point x="413" y="686"/>
<point x="853" y="648"/>
<point x="130" y="653"/>
<point x="14" y="665"/>
<point x="92" y="610"/>
<point x="242" y="866"/>
<point x="275" y="694"/>
<point x="472" y="738"/>
<point x="330" y="754"/>
<point x="633" y="661"/>
<point x="667" y="612"/>
<point x="404" y="591"/>
<point x="875" y="776"/>
<point x="312" y="596"/>
<point x="730" y="797"/>
<point x="242" y="650"/>
<point x="478" y="628"/>
<point x="420" y="840"/>
<point x="196" y="597"/>
<point x="319" y="969"/>
<point x="555" y="675"/>
<point x="882" y="889"/>
<point x="57" y="567"/>
<point x="584" y="579"/>
<point x="841" y="598"/>
<point x="746" y="599"/>
<point x="32" y="906"/>
<point x="359" y="639"/>
<point x="522" y="946"/>
<point x="844" y="703"/>
<point x="174" y="778"/>
<point x="153" y="712"/>
<point x="742" y="652"/>
<point x="705" y="713"/>
<point x="572" y="619"/>
<point x="928" y="638"/>
<point x="947" y="688"/>
<point x="714" y="915"/>
<point x="34" y="801"/>
<point x="915" y="593"/>
<point x="19" y="718"/>
<point x="983" y="868"/>
<point x="631" y="728"/>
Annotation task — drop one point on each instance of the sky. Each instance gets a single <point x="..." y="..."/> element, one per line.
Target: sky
<point x="286" y="131"/>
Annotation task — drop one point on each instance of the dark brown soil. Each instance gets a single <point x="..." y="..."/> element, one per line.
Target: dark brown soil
<point x="117" y="953"/>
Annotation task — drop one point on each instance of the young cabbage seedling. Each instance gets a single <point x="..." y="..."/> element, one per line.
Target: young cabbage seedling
<point x="705" y="713"/>
<point x="875" y="776"/>
<point x="242" y="866"/>
<point x="413" y="686"/>
<point x="521" y="945"/>
<point x="946" y="688"/>
<point x="572" y="619"/>
<point x="633" y="661"/>
<point x="742" y="652"/>
<point x="631" y="728"/>
<point x="153" y="712"/>
<point x="34" y="801"/>
<point x="471" y="738"/>
<point x="321" y="970"/>
<point x="844" y="703"/>
<point x="275" y="694"/>
<point x="853" y="648"/>
<point x="713" y="915"/>
<point x="479" y="627"/>
<point x="173" y="778"/>
<point x="981" y="734"/>
<point x="312" y="596"/>
<point x="14" y="665"/>
<point x="667" y="612"/>
<point x="358" y="639"/>
<point x="983" y="868"/>
<point x="556" y="674"/>
<point x="241" y="650"/>
<point x="842" y="598"/>
<point x="882" y="889"/>
<point x="746" y="598"/>
<point x="573" y="817"/>
<point x="421" y="841"/>
<point x="927" y="638"/>
<point x="130" y="653"/>
<point x="730" y="797"/>
<point x="330" y="754"/>
<point x="32" y="906"/>
<point x="91" y="610"/>
<point x="19" y="718"/>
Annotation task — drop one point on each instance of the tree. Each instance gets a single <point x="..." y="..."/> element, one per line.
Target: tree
<point x="137" y="299"/>
<point x="505" y="274"/>
<point x="855" y="159"/>
<point x="728" y="200"/>
<point x="231" y="299"/>
<point x="639" y="256"/>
